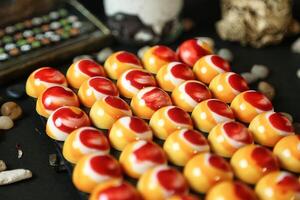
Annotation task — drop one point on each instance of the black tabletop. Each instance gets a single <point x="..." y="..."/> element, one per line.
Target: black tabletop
<point x="47" y="184"/>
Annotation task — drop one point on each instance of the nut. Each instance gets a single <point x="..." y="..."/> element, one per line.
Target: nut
<point x="12" y="110"/>
<point x="267" y="89"/>
<point x="260" y="71"/>
<point x="6" y="123"/>
<point x="225" y="54"/>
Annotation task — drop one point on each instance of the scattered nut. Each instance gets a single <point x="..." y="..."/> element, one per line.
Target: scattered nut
<point x="53" y="160"/>
<point x="12" y="176"/>
<point x="260" y="71"/>
<point x="208" y="40"/>
<point x="12" y="110"/>
<point x="225" y="54"/>
<point x="249" y="77"/>
<point x="2" y="166"/>
<point x="19" y="151"/>
<point x="267" y="89"/>
<point x="141" y="51"/>
<point x="296" y="126"/>
<point x="298" y="73"/>
<point x="6" y="123"/>
<point x="103" y="54"/>
<point x="188" y="24"/>
<point x="296" y="46"/>
<point x="287" y="115"/>
<point x="81" y="57"/>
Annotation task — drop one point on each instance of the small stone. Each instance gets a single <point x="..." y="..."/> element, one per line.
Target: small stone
<point x="12" y="110"/>
<point x="6" y="123"/>
<point x="16" y="91"/>
<point x="296" y="126"/>
<point x="267" y="89"/>
<point x="188" y="24"/>
<point x="296" y="46"/>
<point x="260" y="71"/>
<point x="12" y="176"/>
<point x="298" y="73"/>
<point x="104" y="54"/>
<point x="142" y="51"/>
<point x="225" y="54"/>
<point x="249" y="77"/>
<point x="53" y="160"/>
<point x="287" y="115"/>
<point x="208" y="40"/>
<point x="81" y="57"/>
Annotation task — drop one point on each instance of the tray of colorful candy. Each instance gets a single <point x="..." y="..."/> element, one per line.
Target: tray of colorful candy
<point x="176" y="125"/>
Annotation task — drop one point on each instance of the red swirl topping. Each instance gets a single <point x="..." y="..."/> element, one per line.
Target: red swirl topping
<point x="165" y="53"/>
<point x="258" y="100"/>
<point x="94" y="139"/>
<point x="179" y="116"/>
<point x="280" y="122"/>
<point x="106" y="165"/>
<point x="58" y="96"/>
<point x="68" y="119"/>
<point x="238" y="132"/>
<point x="117" y="102"/>
<point x="90" y="68"/>
<point x="140" y="79"/>
<point x="104" y="86"/>
<point x="156" y="98"/>
<point x="182" y="71"/>
<point x="123" y="191"/>
<point x="220" y="108"/>
<point x="50" y="75"/>
<point x="195" y="137"/>
<point x="220" y="63"/>
<point x="150" y="152"/>
<point x="242" y="191"/>
<point x="138" y="125"/>
<point x="172" y="181"/>
<point x="127" y="57"/>
<point x="289" y="182"/>
<point x="190" y="51"/>
<point x="197" y="91"/>
<point x="219" y="162"/>
<point x="264" y="159"/>
<point x="237" y="82"/>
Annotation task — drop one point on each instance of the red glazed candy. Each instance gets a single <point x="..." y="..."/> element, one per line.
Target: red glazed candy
<point x="192" y="50"/>
<point x="195" y="138"/>
<point x="258" y="100"/>
<point x="172" y="181"/>
<point x="220" y="108"/>
<point x="104" y="86"/>
<point x="264" y="159"/>
<point x="238" y="132"/>
<point x="280" y="122"/>
<point x="179" y="116"/>
<point x="127" y="57"/>
<point x="197" y="91"/>
<point x="165" y="53"/>
<point x="94" y="139"/>
<point x="117" y="102"/>
<point x="238" y="83"/>
<point x="150" y="152"/>
<point x="156" y="98"/>
<point x="106" y="165"/>
<point x="90" y="68"/>
<point x="219" y="163"/>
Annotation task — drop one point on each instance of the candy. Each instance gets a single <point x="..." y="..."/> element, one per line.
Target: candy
<point x="192" y="50"/>
<point x="108" y="110"/>
<point x="211" y="112"/>
<point x="183" y="144"/>
<point x="139" y="156"/>
<point x="249" y="104"/>
<point x="207" y="67"/>
<point x="233" y="190"/>
<point x="84" y="141"/>
<point x="82" y="70"/>
<point x="64" y="120"/>
<point x="227" y="85"/>
<point x="119" y="62"/>
<point x="96" y="88"/>
<point x="128" y="129"/>
<point x="115" y="190"/>
<point x="278" y="186"/>
<point x="161" y="182"/>
<point x="169" y="119"/>
<point x="252" y="162"/>
<point x="94" y="170"/>
<point x="157" y="56"/>
<point x="226" y="138"/>
<point x="288" y="152"/>
<point x="42" y="78"/>
<point x="205" y="170"/>
<point x="173" y="74"/>
<point x="148" y="100"/>
<point x="55" y="97"/>
<point x="133" y="80"/>
<point x="183" y="197"/>
<point x="269" y="127"/>
<point x="189" y="93"/>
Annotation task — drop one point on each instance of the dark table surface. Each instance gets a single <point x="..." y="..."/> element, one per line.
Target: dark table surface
<point x="47" y="184"/>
